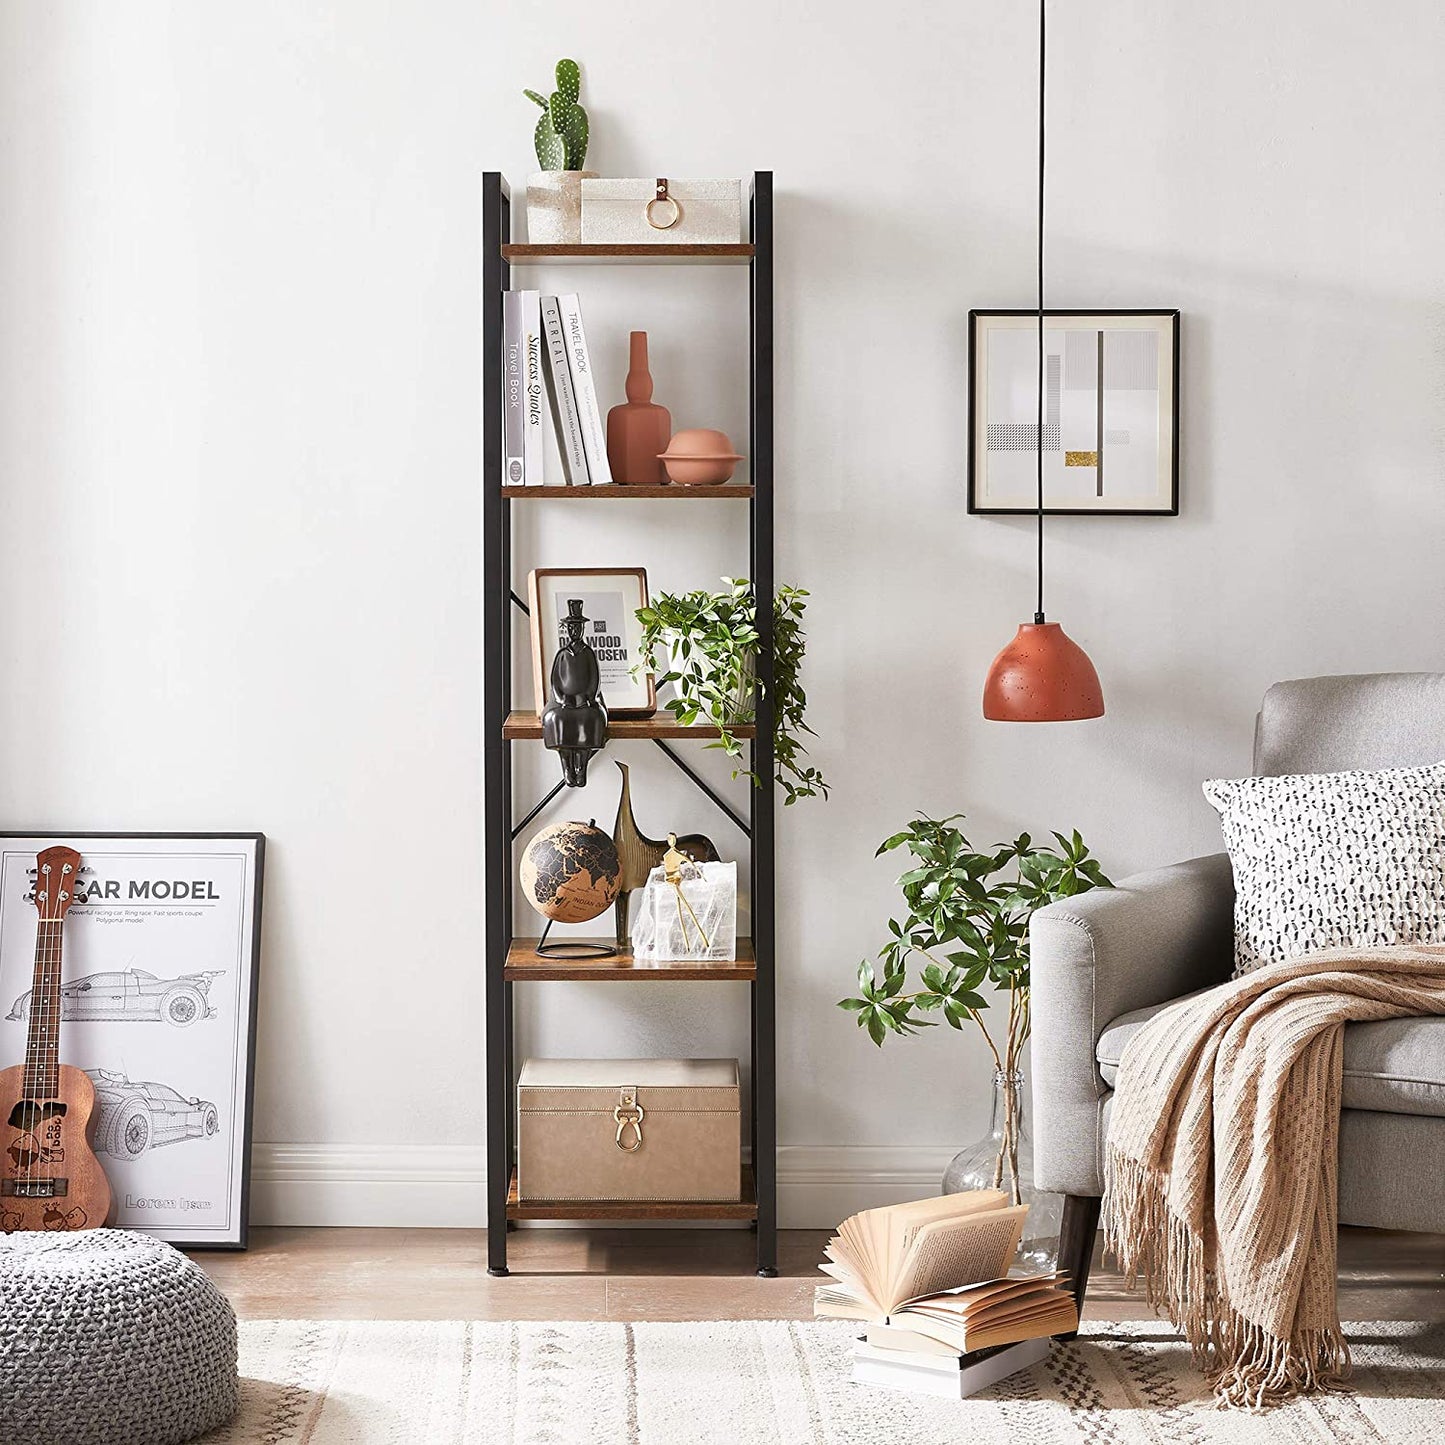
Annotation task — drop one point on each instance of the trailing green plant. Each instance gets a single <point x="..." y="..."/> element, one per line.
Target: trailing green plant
<point x="706" y="643"/>
<point x="966" y="925"/>
<point x="561" y="133"/>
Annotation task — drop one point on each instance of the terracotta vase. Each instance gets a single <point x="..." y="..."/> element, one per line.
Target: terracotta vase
<point x="700" y="457"/>
<point x="638" y="429"/>
<point x="554" y="207"/>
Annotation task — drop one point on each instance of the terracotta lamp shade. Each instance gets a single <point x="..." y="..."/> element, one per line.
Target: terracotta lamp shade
<point x="1042" y="676"/>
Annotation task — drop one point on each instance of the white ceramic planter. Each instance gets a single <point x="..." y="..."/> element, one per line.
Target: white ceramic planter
<point x="554" y="207"/>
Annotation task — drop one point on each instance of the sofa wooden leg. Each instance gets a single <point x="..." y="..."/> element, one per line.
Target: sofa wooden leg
<point x="1076" y="1244"/>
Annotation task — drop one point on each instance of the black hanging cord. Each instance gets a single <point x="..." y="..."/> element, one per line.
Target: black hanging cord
<point x="1039" y="435"/>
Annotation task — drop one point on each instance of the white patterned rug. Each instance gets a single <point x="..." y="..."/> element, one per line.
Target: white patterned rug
<point x="775" y="1383"/>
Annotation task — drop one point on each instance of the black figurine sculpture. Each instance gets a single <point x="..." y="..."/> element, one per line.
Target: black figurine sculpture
<point x="574" y="722"/>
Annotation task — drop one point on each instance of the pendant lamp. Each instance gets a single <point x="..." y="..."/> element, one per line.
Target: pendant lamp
<point x="1043" y="675"/>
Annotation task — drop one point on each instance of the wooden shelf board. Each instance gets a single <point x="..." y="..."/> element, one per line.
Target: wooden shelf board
<point x="725" y="492"/>
<point x="663" y="725"/>
<point x="745" y="1208"/>
<point x="525" y="963"/>
<point x="661" y="254"/>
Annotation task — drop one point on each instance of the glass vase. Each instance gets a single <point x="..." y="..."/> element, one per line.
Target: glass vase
<point x="1004" y="1159"/>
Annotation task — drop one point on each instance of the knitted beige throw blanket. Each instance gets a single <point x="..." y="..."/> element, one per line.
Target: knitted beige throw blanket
<point x="1222" y="1162"/>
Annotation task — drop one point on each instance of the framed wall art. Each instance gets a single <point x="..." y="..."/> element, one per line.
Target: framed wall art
<point x="158" y="1007"/>
<point x="610" y="598"/>
<point x="1111" y="412"/>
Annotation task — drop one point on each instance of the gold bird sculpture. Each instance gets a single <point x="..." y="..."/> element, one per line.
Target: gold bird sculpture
<point x="640" y="854"/>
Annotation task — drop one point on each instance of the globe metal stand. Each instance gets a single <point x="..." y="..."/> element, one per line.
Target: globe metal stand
<point x="571" y="948"/>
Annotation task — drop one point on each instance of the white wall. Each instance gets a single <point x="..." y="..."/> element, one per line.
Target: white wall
<point x="239" y="519"/>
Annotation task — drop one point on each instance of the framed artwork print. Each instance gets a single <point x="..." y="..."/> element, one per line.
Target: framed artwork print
<point x="610" y="598"/>
<point x="158" y="1006"/>
<point x="1111" y="412"/>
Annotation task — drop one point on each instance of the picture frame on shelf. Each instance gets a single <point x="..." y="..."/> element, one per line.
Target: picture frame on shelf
<point x="1111" y="419"/>
<point x="611" y="597"/>
<point x="158" y="1006"/>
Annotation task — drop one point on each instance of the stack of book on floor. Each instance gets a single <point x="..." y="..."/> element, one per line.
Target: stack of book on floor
<point x="544" y="349"/>
<point x="930" y="1279"/>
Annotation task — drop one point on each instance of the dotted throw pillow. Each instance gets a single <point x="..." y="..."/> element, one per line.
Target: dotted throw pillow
<point x="1325" y="860"/>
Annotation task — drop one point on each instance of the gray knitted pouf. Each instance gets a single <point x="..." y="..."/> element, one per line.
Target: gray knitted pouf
<point x="110" y="1338"/>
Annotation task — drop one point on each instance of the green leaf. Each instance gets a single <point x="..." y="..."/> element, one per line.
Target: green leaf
<point x="853" y="1005"/>
<point x="955" y="1016"/>
<point x="876" y="1027"/>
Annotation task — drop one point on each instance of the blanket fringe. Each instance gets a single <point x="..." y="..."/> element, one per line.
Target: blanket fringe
<point x="1245" y="1364"/>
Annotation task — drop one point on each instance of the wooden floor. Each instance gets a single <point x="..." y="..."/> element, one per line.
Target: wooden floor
<point x="596" y="1274"/>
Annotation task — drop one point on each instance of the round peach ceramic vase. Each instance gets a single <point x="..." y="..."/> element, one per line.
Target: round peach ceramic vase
<point x="700" y="457"/>
<point x="638" y="429"/>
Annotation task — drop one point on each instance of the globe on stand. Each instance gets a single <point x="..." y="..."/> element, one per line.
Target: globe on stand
<point x="571" y="872"/>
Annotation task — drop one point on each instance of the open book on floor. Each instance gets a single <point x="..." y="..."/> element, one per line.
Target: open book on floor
<point x="881" y="1257"/>
<point x="979" y="1316"/>
<point x="936" y="1271"/>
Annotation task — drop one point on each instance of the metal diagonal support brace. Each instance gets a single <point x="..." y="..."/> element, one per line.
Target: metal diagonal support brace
<point x="519" y="826"/>
<point x="705" y="787"/>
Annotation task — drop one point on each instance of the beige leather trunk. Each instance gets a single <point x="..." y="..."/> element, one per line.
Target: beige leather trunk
<point x="628" y="1129"/>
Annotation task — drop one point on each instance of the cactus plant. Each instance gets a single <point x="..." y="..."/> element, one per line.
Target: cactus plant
<point x="561" y="134"/>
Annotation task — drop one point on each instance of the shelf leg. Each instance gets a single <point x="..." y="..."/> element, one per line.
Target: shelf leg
<point x="496" y="690"/>
<point x="760" y="548"/>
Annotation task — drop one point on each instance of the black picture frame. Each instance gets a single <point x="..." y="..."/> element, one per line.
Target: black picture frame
<point x="976" y="508"/>
<point x="78" y="837"/>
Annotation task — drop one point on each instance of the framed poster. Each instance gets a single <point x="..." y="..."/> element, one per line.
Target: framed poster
<point x="610" y="598"/>
<point x="1111" y="412"/>
<point x="158" y="1006"/>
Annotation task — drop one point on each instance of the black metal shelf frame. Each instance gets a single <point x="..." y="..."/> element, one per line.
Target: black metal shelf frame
<point x="501" y="830"/>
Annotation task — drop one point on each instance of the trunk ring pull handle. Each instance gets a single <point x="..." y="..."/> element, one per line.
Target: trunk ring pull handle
<point x="629" y="1114"/>
<point x="661" y="198"/>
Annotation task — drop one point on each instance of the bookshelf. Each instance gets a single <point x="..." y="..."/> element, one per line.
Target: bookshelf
<point x="723" y="491"/>
<point x="512" y="960"/>
<point x="663" y="254"/>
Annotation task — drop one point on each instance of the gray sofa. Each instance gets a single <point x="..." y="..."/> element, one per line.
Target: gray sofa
<point x="1104" y="962"/>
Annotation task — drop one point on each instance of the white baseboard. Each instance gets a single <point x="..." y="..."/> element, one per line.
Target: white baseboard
<point x="444" y="1186"/>
<point x="819" y="1185"/>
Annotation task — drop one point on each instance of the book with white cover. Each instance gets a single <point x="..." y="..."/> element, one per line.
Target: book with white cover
<point x="952" y="1377"/>
<point x="513" y="467"/>
<point x="589" y="413"/>
<point x="534" y="385"/>
<point x="563" y="400"/>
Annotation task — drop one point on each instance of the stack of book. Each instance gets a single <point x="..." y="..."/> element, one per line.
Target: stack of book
<point x="545" y="350"/>
<point x="930" y="1280"/>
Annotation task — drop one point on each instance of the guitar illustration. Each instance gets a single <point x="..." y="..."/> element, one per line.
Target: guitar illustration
<point x="50" y="1177"/>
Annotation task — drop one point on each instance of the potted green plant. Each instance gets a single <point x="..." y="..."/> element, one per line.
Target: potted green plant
<point x="706" y="644"/>
<point x="554" y="194"/>
<point x="965" y="928"/>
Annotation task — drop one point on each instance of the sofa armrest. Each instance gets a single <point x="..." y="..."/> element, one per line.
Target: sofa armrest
<point x="1150" y="939"/>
